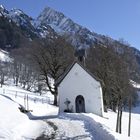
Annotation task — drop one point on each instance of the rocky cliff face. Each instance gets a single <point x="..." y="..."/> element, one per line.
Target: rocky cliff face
<point x="79" y="36"/>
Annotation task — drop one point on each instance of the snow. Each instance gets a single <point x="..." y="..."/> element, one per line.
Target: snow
<point x="63" y="21"/>
<point x="109" y="123"/>
<point x="71" y="129"/>
<point x="136" y="85"/>
<point x="15" y="125"/>
<point x="4" y="56"/>
<point x="87" y="128"/>
<point x="1" y="6"/>
<point x="2" y="9"/>
<point x="16" y="11"/>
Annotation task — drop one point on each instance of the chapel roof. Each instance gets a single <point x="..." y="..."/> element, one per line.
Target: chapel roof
<point x="60" y="79"/>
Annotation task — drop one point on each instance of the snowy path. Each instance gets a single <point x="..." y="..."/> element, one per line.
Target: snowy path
<point x="65" y="130"/>
<point x="62" y="128"/>
<point x="75" y="127"/>
<point x="70" y="130"/>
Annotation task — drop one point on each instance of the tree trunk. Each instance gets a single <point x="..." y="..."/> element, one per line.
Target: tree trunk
<point x="24" y="84"/>
<point x="55" y="96"/>
<point x="14" y="78"/>
<point x="114" y="107"/>
<point x="129" y="123"/>
<point x="55" y="100"/>
<point x="117" y="122"/>
<point x="120" y="121"/>
<point x="1" y="84"/>
<point x="104" y="100"/>
<point x="2" y="80"/>
<point x="17" y="79"/>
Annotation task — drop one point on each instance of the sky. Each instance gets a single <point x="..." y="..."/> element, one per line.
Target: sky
<point x="115" y="18"/>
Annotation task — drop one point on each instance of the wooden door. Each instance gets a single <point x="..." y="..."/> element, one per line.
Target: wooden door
<point x="80" y="104"/>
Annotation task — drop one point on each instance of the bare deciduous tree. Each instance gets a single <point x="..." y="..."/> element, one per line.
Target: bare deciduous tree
<point x="4" y="72"/>
<point x="52" y="59"/>
<point x="109" y="66"/>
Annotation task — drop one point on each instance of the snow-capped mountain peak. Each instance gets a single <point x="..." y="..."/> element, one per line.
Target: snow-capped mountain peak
<point x="3" y="11"/>
<point x="19" y="16"/>
<point x="1" y="7"/>
<point x="16" y="11"/>
<point x="16" y="15"/>
<point x="57" y="20"/>
<point x="78" y="35"/>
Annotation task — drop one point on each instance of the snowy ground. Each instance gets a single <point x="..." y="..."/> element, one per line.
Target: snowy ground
<point x="44" y="121"/>
<point x="4" y="56"/>
<point x="15" y="125"/>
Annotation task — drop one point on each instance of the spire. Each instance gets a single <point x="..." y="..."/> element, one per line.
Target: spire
<point x="80" y="56"/>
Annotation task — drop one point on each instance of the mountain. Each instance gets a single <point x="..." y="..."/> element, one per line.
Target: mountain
<point x="78" y="35"/>
<point x="16" y="28"/>
<point x="25" y="23"/>
<point x="50" y="23"/>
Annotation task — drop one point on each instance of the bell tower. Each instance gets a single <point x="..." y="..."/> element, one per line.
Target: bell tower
<point x="80" y="56"/>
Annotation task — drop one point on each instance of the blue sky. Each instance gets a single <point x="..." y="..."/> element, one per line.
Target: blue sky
<point x="115" y="18"/>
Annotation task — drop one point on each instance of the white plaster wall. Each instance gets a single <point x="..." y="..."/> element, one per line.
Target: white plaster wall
<point x="79" y="82"/>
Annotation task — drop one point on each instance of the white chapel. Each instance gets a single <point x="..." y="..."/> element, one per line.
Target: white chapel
<point x="81" y="90"/>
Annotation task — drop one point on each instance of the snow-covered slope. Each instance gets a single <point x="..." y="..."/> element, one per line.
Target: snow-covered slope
<point x="3" y="11"/>
<point x="26" y="23"/>
<point x="20" y="17"/>
<point x="109" y="123"/>
<point x="17" y="15"/>
<point x="15" y="125"/>
<point x="4" y="56"/>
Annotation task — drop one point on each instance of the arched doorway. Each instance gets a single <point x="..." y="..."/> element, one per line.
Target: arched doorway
<point x="80" y="104"/>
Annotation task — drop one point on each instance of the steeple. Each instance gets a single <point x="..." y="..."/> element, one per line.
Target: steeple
<point x="80" y="56"/>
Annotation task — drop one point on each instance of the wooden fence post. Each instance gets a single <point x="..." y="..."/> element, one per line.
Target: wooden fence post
<point x="3" y="91"/>
<point x="16" y="94"/>
<point x="25" y="101"/>
<point x="34" y="100"/>
<point x="49" y="101"/>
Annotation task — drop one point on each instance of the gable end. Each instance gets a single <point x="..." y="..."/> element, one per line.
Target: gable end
<point x="60" y="79"/>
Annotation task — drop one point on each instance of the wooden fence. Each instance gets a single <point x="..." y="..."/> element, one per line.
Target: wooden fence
<point x="27" y="96"/>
